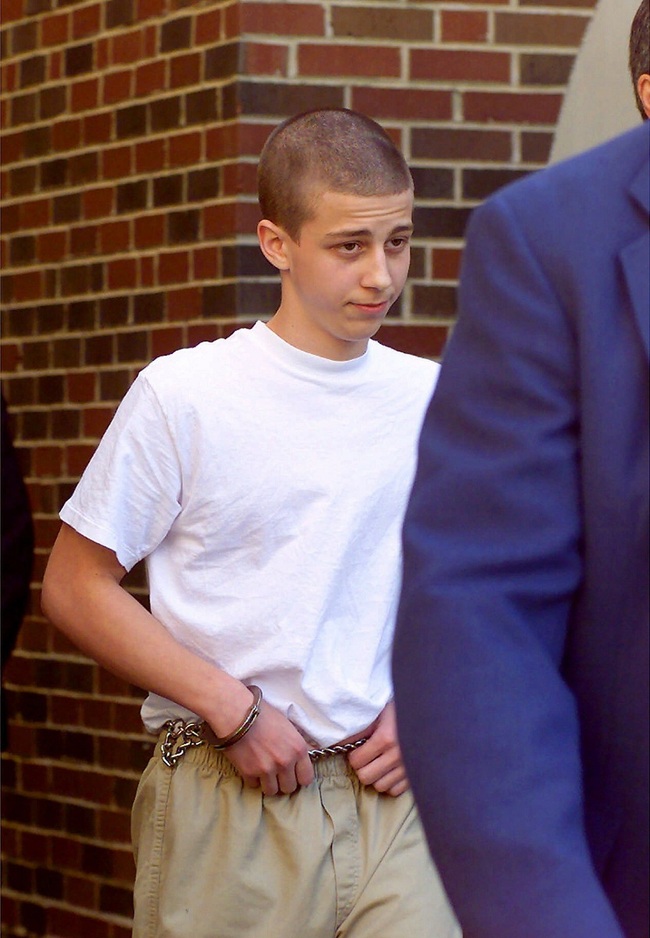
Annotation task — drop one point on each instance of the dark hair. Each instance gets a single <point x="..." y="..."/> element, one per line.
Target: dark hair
<point x="639" y="60"/>
<point x="332" y="149"/>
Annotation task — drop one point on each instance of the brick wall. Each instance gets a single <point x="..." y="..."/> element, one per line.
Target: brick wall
<point x="130" y="135"/>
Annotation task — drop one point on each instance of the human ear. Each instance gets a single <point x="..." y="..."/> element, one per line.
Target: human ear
<point x="273" y="241"/>
<point x="643" y="90"/>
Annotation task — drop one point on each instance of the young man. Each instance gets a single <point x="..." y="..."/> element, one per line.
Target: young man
<point x="264" y="477"/>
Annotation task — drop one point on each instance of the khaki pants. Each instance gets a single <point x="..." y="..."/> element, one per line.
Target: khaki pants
<point x="334" y="860"/>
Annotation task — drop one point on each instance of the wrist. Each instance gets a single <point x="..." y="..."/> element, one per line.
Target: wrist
<point x="227" y="707"/>
<point x="251" y="715"/>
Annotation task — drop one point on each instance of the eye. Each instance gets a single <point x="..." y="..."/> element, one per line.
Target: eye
<point x="350" y="247"/>
<point x="398" y="244"/>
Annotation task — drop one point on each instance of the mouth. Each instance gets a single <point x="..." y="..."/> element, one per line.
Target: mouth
<point x="372" y="309"/>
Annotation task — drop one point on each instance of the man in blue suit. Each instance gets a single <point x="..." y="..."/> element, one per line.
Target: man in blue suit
<point x="521" y="651"/>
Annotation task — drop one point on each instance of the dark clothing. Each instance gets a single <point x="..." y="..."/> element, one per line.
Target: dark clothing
<point x="17" y="551"/>
<point x="521" y="650"/>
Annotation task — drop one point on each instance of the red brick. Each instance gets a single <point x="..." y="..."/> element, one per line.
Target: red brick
<point x="117" y="86"/>
<point x="150" y="42"/>
<point x="512" y="108"/>
<point x="403" y="103"/>
<point x="146" y="271"/>
<point x="464" y="26"/>
<point x="150" y="8"/>
<point x="35" y="214"/>
<point x="83" y="893"/>
<point x="445" y="263"/>
<point x="97" y="128"/>
<point x="222" y="142"/>
<point x="102" y="54"/>
<point x="80" y="387"/>
<point x="116" y="163"/>
<point x="207" y="27"/>
<point x="12" y="147"/>
<point x="149" y="231"/>
<point x="114" y="237"/>
<point x="452" y="65"/>
<point x="86" y="21"/>
<point x="35" y="778"/>
<point x="380" y="23"/>
<point x="12" y="10"/>
<point x="115" y="826"/>
<point x="185" y="70"/>
<point x="66" y="135"/>
<point x="219" y="220"/>
<point x="78" y="457"/>
<point x="150" y="77"/>
<point x="66" y="853"/>
<point x="51" y="246"/>
<point x="35" y="848"/>
<point x="173" y="267"/>
<point x="247" y="217"/>
<point x="165" y="341"/>
<point x="546" y="29"/>
<point x="279" y="19"/>
<point x="55" y="29"/>
<point x="205" y="263"/>
<point x="185" y="149"/>
<point x="150" y="155"/>
<point x="28" y="286"/>
<point x="184" y="304"/>
<point x="415" y="340"/>
<point x="56" y="65"/>
<point x="84" y="95"/>
<point x="127" y="48"/>
<point x="122" y="274"/>
<point x="9" y="74"/>
<point x="238" y="178"/>
<point x="47" y="461"/>
<point x="11" y="357"/>
<point x="232" y="21"/>
<point x="265" y="59"/>
<point x="97" y="203"/>
<point x="342" y="60"/>
<point x="83" y="240"/>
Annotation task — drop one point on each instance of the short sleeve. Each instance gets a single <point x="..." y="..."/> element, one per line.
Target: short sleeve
<point x="129" y="495"/>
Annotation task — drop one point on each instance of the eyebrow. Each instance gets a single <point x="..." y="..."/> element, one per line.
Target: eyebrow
<point x="350" y="235"/>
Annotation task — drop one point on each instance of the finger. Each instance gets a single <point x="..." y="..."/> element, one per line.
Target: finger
<point x="287" y="781"/>
<point x="399" y="789"/>
<point x="389" y="780"/>
<point x="388" y="762"/>
<point x="305" y="771"/>
<point x="269" y="784"/>
<point x="251" y="781"/>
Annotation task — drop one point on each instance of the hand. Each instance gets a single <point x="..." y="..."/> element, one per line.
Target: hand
<point x="272" y="755"/>
<point x="379" y="761"/>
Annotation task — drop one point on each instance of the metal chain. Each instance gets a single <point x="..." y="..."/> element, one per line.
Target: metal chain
<point x="335" y="750"/>
<point x="191" y="735"/>
<point x="171" y="749"/>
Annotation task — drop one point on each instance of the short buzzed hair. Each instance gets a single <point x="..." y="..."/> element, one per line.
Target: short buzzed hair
<point x="333" y="149"/>
<point x="640" y="49"/>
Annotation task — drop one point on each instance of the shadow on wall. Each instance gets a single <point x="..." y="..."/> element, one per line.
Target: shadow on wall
<point x="599" y="102"/>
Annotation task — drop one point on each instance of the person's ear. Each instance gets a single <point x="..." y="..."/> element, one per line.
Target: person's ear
<point x="273" y="242"/>
<point x="643" y="90"/>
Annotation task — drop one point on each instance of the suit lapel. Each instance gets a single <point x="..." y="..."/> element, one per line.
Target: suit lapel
<point x="635" y="258"/>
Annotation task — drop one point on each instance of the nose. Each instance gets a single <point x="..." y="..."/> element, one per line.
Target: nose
<point x="376" y="275"/>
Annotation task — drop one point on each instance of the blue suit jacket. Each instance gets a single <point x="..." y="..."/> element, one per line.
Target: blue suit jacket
<point x="521" y="649"/>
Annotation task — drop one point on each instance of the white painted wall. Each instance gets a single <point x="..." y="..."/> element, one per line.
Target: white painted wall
<point x="599" y="102"/>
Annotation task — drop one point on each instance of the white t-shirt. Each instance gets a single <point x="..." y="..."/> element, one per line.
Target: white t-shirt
<point x="266" y="488"/>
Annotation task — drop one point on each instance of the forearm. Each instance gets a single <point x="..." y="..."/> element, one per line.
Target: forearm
<point x="82" y="596"/>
